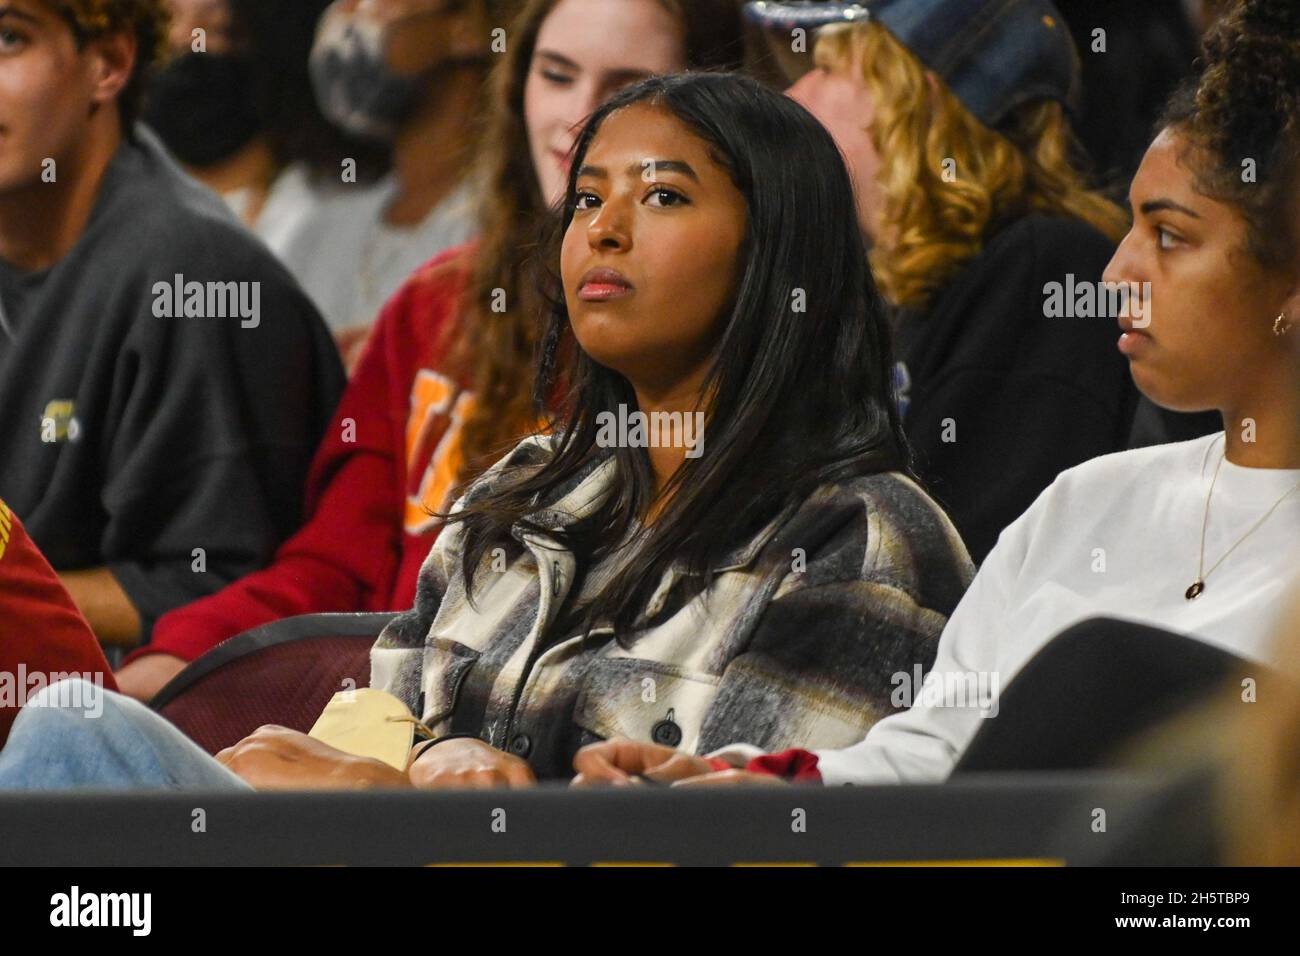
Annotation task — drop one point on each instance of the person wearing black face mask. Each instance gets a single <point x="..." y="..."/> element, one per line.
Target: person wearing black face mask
<point x="201" y="106"/>
<point x="234" y="105"/>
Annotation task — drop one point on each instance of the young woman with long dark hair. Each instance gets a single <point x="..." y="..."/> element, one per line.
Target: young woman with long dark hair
<point x="444" y="388"/>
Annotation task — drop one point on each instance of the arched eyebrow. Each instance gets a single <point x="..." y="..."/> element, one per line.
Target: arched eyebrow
<point x="11" y="11"/>
<point x="635" y="169"/>
<point x="1166" y="205"/>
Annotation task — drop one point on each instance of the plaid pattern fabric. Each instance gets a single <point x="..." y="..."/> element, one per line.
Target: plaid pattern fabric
<point x="792" y="644"/>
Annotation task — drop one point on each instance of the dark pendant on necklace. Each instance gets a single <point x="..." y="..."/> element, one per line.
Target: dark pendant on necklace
<point x="1195" y="590"/>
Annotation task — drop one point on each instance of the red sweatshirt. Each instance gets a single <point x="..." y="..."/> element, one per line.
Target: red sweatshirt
<point x="42" y="633"/>
<point x="390" y="455"/>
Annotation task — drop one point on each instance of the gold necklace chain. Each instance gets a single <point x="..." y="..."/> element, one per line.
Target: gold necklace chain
<point x="1198" y="586"/>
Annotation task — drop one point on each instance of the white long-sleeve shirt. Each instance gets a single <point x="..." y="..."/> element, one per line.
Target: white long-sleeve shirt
<point x="1119" y="537"/>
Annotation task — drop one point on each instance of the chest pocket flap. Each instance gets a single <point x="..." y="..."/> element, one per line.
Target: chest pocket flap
<point x="446" y="664"/>
<point x="644" y="700"/>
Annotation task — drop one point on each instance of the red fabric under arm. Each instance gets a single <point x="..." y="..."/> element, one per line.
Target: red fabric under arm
<point x="40" y="627"/>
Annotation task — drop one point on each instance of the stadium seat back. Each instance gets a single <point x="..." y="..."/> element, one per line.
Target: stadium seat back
<point x="282" y="673"/>
<point x="1089" y="692"/>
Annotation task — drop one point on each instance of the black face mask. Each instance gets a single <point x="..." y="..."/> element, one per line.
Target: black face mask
<point x="201" y="106"/>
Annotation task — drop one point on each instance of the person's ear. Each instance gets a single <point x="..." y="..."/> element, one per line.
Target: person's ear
<point x="112" y="61"/>
<point x="1287" y="318"/>
<point x="1287" y="321"/>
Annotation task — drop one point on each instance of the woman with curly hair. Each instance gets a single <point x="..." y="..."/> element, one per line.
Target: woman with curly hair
<point x="970" y="193"/>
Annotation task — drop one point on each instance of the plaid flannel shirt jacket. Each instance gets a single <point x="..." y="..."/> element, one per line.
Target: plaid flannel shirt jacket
<point x="795" y="642"/>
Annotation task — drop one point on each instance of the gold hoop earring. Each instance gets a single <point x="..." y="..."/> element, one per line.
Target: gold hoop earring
<point x="1282" y="326"/>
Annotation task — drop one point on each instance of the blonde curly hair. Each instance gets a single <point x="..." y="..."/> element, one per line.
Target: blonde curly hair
<point x="948" y="180"/>
<point x="147" y="19"/>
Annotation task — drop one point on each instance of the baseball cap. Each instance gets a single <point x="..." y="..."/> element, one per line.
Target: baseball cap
<point x="993" y="54"/>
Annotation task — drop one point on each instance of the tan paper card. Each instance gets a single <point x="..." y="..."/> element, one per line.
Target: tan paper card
<point x="368" y="723"/>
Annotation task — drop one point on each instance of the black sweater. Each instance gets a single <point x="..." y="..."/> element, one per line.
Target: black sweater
<point x="1019" y="396"/>
<point x="133" y="440"/>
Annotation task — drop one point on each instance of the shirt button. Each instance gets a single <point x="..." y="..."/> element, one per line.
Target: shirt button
<point x="666" y="733"/>
<point x="521" y="745"/>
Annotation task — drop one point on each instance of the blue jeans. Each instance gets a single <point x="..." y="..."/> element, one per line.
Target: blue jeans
<point x="75" y="735"/>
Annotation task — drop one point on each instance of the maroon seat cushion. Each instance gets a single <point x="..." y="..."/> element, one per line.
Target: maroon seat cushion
<point x="283" y="673"/>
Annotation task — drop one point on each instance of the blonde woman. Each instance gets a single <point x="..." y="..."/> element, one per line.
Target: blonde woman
<point x="983" y="236"/>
